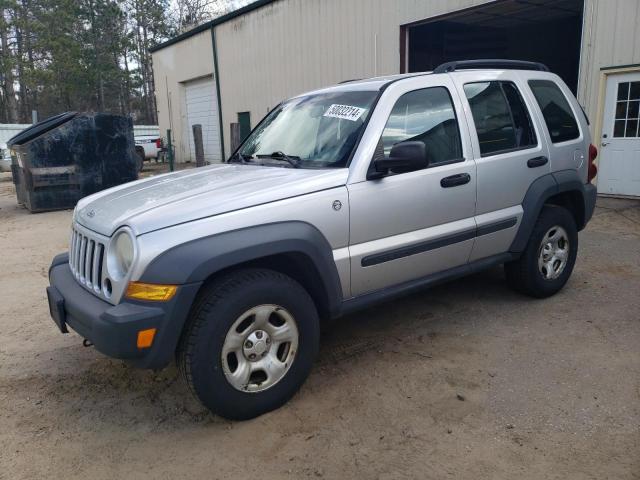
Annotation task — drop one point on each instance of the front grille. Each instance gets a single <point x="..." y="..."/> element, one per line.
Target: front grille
<point x="86" y="259"/>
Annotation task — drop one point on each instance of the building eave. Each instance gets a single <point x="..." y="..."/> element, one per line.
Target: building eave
<point x="212" y="23"/>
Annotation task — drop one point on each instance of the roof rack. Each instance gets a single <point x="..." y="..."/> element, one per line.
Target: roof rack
<point x="490" y="64"/>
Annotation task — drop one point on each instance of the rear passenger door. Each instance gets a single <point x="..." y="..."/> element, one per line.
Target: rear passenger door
<point x="508" y="151"/>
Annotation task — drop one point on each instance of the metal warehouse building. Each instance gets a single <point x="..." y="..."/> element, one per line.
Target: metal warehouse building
<point x="234" y="69"/>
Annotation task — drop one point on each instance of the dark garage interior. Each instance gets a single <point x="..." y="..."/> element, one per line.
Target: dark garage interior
<point x="547" y="31"/>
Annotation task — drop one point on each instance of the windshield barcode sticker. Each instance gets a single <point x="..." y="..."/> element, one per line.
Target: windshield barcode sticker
<point x="345" y="112"/>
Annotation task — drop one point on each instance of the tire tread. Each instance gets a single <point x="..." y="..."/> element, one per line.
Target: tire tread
<point x="212" y="294"/>
<point x="521" y="274"/>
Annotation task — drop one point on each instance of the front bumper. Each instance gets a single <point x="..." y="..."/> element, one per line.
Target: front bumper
<point x="113" y="329"/>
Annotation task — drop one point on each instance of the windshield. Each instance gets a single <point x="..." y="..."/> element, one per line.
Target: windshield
<point x="315" y="130"/>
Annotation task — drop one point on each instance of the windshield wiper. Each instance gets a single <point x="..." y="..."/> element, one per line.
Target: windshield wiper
<point x="239" y="158"/>
<point x="293" y="160"/>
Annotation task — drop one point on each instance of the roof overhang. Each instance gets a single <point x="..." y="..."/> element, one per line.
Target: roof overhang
<point x="212" y="23"/>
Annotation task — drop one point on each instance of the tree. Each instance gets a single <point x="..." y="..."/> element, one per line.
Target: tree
<point x="149" y="27"/>
<point x="7" y="60"/>
<point x="186" y="14"/>
<point x="60" y="55"/>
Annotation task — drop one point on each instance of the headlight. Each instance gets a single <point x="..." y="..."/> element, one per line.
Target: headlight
<point x="121" y="253"/>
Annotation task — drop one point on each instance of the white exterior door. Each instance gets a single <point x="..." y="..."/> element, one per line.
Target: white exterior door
<point x="619" y="171"/>
<point x="202" y="108"/>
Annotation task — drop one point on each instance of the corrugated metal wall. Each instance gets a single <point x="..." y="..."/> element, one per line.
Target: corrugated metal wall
<point x="611" y="38"/>
<point x="173" y="68"/>
<point x="292" y="46"/>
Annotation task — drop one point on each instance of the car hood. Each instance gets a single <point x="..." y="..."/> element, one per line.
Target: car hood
<point x="179" y="197"/>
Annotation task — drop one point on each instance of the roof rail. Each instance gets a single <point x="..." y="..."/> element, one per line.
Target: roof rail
<point x="490" y="64"/>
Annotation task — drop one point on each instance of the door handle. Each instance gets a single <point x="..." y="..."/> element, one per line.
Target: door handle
<point x="455" y="180"/>
<point x="537" y="162"/>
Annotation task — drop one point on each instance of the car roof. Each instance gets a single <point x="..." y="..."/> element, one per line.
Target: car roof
<point x="378" y="83"/>
<point x="364" y="84"/>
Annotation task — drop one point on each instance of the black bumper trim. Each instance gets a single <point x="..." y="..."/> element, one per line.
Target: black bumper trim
<point x="429" y="245"/>
<point x="113" y="329"/>
<point x="590" y="197"/>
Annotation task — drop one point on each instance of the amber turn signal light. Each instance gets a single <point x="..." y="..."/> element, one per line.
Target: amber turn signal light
<point x="150" y="292"/>
<point x="145" y="337"/>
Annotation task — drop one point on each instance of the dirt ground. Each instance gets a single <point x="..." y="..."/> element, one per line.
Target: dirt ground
<point x="468" y="380"/>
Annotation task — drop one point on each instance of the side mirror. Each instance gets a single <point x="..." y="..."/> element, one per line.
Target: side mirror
<point x="404" y="157"/>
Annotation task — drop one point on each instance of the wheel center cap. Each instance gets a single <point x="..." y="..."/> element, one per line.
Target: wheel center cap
<point x="260" y="347"/>
<point x="256" y="345"/>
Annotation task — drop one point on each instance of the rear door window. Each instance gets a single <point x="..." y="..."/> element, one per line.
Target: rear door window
<point x="556" y="111"/>
<point x="501" y="117"/>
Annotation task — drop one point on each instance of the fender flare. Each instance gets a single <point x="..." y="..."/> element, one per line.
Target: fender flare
<point x="539" y="192"/>
<point x="197" y="260"/>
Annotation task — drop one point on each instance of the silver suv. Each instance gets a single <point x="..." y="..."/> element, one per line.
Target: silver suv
<point x="340" y="198"/>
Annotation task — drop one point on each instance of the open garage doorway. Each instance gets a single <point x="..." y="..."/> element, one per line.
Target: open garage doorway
<point x="547" y="31"/>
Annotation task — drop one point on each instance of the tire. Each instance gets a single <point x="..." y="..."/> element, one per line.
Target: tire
<point x="539" y="273"/>
<point x="139" y="159"/>
<point x="216" y="323"/>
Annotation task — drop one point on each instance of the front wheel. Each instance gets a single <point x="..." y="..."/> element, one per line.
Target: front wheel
<point x="250" y="343"/>
<point x="549" y="258"/>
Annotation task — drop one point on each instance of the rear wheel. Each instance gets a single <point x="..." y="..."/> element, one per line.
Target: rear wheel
<point x="250" y="343"/>
<point x="549" y="258"/>
<point x="139" y="159"/>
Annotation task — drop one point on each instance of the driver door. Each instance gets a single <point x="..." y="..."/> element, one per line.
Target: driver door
<point x="406" y="226"/>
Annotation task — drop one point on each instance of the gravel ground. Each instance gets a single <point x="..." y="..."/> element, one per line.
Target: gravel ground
<point x="468" y="380"/>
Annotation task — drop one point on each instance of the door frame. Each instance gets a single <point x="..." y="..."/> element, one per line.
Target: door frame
<point x="605" y="73"/>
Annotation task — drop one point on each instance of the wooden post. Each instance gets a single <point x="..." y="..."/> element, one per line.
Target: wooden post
<point x="197" y="140"/>
<point x="170" y="150"/>
<point x="235" y="136"/>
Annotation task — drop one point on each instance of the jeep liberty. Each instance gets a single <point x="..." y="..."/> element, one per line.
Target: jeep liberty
<point x="338" y="199"/>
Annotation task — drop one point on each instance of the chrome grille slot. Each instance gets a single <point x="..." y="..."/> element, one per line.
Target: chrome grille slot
<point x="88" y="264"/>
<point x="86" y="258"/>
<point x="97" y="267"/>
<point x="83" y="253"/>
<point x="72" y="248"/>
<point x="77" y="260"/>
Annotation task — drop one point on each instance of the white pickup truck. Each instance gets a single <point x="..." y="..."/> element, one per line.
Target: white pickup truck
<point x="5" y="158"/>
<point x="148" y="147"/>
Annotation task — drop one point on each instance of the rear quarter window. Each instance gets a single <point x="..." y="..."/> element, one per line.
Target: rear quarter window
<point x="561" y="122"/>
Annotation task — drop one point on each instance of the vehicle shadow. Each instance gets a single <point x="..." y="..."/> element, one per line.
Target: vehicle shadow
<point x="454" y="301"/>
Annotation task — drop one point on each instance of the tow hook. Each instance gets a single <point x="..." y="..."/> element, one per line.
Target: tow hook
<point x="87" y="343"/>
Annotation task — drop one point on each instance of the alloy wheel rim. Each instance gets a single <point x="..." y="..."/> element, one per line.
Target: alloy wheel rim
<point x="259" y="348"/>
<point x="553" y="254"/>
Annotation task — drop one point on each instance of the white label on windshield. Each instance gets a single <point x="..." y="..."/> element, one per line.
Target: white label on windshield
<point x="345" y="112"/>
